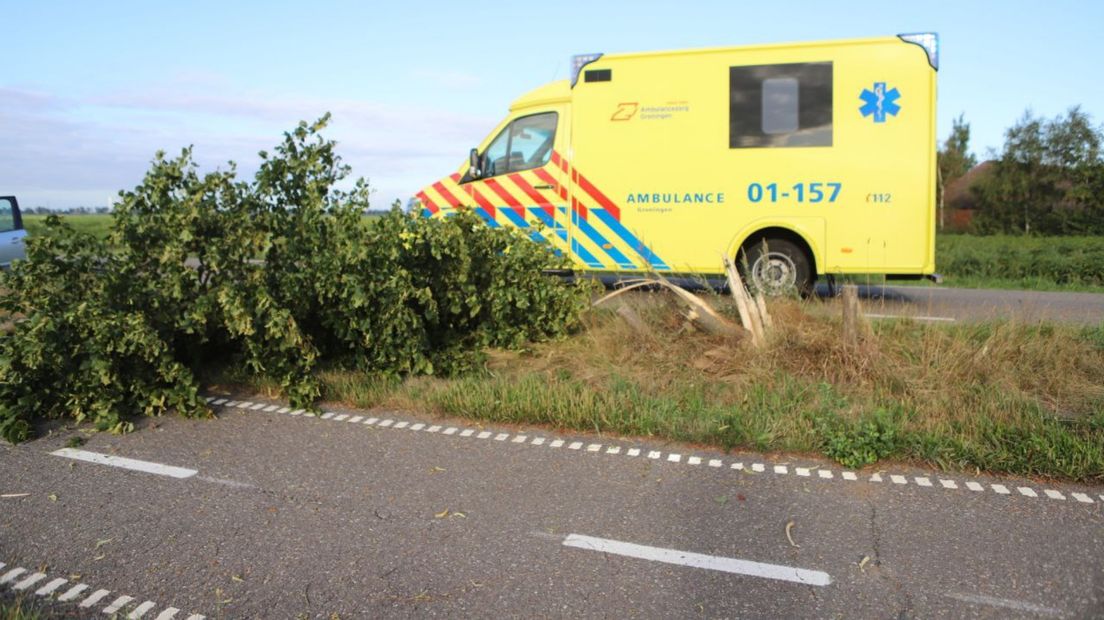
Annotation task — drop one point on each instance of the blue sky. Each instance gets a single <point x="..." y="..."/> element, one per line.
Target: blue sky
<point x="90" y="90"/>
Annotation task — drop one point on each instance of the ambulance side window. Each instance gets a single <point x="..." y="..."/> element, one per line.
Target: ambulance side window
<point x="496" y="154"/>
<point x="524" y="144"/>
<point x="531" y="139"/>
<point x="785" y="105"/>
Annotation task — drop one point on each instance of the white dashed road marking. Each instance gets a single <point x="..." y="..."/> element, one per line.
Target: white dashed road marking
<point x="73" y="593"/>
<point x="30" y="581"/>
<point x="672" y="457"/>
<point x="118" y="604"/>
<point x="125" y="463"/>
<point x="19" y="579"/>
<point x="94" y="598"/>
<point x="141" y="610"/>
<point x="698" y="560"/>
<point x="49" y="588"/>
<point x="12" y="574"/>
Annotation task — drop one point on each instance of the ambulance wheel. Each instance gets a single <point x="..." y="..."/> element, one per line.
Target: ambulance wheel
<point x="780" y="268"/>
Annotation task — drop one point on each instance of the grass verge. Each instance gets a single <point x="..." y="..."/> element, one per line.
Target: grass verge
<point x="1001" y="397"/>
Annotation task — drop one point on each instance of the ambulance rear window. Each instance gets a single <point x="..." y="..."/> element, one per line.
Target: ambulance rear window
<point x="785" y="105"/>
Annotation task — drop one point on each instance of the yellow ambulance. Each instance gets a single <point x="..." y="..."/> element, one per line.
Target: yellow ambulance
<point x="670" y="161"/>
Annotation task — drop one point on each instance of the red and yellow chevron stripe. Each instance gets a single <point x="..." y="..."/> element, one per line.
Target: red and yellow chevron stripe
<point x="578" y="219"/>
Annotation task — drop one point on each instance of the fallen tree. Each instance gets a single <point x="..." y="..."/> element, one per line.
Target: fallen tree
<point x="289" y="275"/>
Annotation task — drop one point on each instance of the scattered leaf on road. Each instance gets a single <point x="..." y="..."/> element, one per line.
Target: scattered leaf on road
<point x="721" y="499"/>
<point x="863" y="562"/>
<point x="236" y="578"/>
<point x="789" y="534"/>
<point x="441" y="515"/>
<point x="460" y="514"/>
<point x="53" y="497"/>
<point x="102" y="542"/>
<point x="437" y="470"/>
<point x="14" y="495"/>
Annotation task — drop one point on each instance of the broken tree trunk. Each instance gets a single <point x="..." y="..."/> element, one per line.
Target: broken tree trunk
<point x="855" y="326"/>
<point x="713" y="324"/>
<point x="749" y="312"/>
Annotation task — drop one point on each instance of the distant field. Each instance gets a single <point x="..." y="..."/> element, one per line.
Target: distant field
<point x="1000" y="261"/>
<point x="94" y="224"/>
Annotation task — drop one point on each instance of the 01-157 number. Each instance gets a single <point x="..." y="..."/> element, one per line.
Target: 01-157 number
<point x="801" y="192"/>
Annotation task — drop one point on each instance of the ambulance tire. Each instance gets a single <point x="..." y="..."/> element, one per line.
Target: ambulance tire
<point x="784" y="269"/>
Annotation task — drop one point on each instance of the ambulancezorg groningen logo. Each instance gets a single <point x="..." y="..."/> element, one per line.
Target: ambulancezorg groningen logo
<point x="879" y="102"/>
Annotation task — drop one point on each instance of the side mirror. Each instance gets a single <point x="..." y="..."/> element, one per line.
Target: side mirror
<point x="473" y="164"/>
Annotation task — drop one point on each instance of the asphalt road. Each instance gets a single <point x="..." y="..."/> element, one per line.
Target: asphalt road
<point x="963" y="304"/>
<point x="289" y="516"/>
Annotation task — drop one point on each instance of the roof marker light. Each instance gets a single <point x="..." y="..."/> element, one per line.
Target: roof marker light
<point x="927" y="40"/>
<point x="579" y="61"/>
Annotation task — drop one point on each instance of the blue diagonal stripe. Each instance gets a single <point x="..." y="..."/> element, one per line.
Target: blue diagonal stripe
<point x="595" y="236"/>
<point x="645" y="252"/>
<point x="520" y="222"/>
<point x="580" y="251"/>
<point x="481" y="212"/>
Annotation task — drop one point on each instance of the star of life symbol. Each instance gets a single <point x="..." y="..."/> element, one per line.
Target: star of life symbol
<point x="880" y="102"/>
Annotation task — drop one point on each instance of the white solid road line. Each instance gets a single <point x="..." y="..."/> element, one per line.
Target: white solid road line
<point x="1006" y="603"/>
<point x="125" y="463"/>
<point x="906" y="316"/>
<point x="698" y="560"/>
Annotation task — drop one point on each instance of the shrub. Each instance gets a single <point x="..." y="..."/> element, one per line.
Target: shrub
<point x="274" y="276"/>
<point x="856" y="441"/>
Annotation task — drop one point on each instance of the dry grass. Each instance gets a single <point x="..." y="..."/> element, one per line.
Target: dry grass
<point x="1004" y="397"/>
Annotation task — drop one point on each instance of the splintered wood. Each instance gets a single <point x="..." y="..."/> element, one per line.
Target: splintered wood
<point x="753" y="312"/>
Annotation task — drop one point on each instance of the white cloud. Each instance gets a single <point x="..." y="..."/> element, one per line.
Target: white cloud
<point x="60" y="151"/>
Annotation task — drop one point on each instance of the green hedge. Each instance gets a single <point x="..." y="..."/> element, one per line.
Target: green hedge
<point x="1061" y="260"/>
